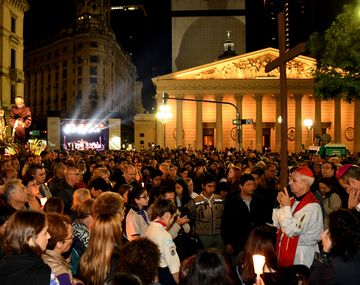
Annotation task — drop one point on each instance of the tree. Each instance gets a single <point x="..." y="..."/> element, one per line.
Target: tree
<point x="338" y="55"/>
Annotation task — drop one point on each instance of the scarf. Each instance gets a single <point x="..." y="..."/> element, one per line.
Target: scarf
<point x="285" y="245"/>
<point x="140" y="212"/>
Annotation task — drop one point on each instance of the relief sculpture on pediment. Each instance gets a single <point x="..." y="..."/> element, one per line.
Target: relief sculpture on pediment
<point x="253" y="68"/>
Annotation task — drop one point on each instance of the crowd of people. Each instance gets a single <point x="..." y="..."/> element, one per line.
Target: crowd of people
<point x="178" y="216"/>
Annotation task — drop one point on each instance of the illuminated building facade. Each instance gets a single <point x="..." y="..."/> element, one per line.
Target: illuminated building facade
<point x="242" y="81"/>
<point x="83" y="73"/>
<point x="11" y="50"/>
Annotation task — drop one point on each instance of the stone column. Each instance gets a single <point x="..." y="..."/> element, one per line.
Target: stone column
<point x="317" y="123"/>
<point x="298" y="122"/>
<point x="159" y="126"/>
<point x="259" y="136"/>
<point x="239" y="99"/>
<point x="277" y="124"/>
<point x="219" y="129"/>
<point x="199" y="123"/>
<point x="356" y="125"/>
<point x="337" y="120"/>
<point x="179" y="121"/>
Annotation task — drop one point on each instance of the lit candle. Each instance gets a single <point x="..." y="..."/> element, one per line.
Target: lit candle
<point x="43" y="201"/>
<point x="259" y="261"/>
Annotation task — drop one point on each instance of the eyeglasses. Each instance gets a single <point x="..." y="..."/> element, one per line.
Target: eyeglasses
<point x="144" y="197"/>
<point x="76" y="173"/>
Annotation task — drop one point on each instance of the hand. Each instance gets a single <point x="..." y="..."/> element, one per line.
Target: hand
<point x="259" y="281"/>
<point x="354" y="198"/>
<point x="229" y="249"/>
<point x="326" y="241"/>
<point x="283" y="198"/>
<point x="182" y="220"/>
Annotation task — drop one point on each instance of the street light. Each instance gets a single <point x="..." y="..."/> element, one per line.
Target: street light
<point x="308" y="123"/>
<point x="164" y="114"/>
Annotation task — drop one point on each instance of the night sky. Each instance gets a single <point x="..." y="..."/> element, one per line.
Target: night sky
<point x="146" y="38"/>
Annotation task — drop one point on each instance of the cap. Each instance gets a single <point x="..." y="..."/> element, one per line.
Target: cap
<point x="342" y="170"/>
<point x="305" y="171"/>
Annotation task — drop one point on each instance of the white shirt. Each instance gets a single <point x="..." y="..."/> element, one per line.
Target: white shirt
<point x="306" y="223"/>
<point x="135" y="225"/>
<point x="168" y="255"/>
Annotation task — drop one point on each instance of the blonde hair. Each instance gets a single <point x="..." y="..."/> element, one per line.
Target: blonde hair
<point x="105" y="236"/>
<point x="99" y="172"/>
<point x="80" y="196"/>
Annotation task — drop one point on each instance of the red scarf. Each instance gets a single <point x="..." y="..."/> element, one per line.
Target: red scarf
<point x="162" y="223"/>
<point x="286" y="246"/>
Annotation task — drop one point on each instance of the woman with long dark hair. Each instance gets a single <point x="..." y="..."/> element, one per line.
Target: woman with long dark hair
<point x="182" y="193"/>
<point x="339" y="262"/>
<point x="209" y="267"/>
<point x="26" y="238"/>
<point x="260" y="241"/>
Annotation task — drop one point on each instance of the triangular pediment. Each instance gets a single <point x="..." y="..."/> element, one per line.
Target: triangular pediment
<point x="247" y="66"/>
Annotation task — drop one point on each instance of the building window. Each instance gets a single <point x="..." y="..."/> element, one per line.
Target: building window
<point x="142" y="135"/>
<point x="13" y="59"/>
<point x="93" y="58"/>
<point x="79" y="45"/>
<point x="93" y="70"/>
<point x="141" y="142"/>
<point x="13" y="25"/>
<point x="79" y="70"/>
<point x="13" y="93"/>
<point x="93" y="44"/>
<point x="93" y="80"/>
<point x="93" y="104"/>
<point x="79" y="59"/>
<point x="64" y="73"/>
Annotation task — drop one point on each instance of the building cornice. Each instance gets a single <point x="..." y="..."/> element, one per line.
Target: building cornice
<point x="232" y="86"/>
<point x="21" y="5"/>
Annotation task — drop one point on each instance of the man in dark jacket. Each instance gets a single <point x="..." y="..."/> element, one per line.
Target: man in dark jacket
<point x="242" y="213"/>
<point x="67" y="187"/>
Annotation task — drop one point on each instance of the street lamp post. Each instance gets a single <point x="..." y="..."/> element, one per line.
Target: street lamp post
<point x="308" y="123"/>
<point x="164" y="118"/>
<point x="164" y="115"/>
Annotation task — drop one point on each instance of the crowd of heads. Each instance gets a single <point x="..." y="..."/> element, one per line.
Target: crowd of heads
<point x="106" y="185"/>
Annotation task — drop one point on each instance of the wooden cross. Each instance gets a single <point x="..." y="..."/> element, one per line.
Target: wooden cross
<point x="284" y="56"/>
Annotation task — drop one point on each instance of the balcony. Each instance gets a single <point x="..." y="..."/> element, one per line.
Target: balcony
<point x="16" y="75"/>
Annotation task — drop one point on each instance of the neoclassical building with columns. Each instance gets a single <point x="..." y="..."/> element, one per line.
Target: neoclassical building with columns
<point x="243" y="82"/>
